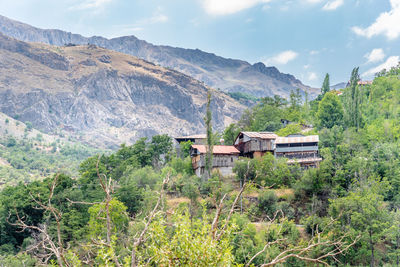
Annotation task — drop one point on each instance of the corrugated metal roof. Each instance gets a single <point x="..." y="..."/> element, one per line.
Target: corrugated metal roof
<point x="195" y="136"/>
<point x="217" y="149"/>
<point x="297" y="139"/>
<point x="304" y="160"/>
<point x="262" y="135"/>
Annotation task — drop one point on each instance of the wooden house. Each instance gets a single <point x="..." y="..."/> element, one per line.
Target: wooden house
<point x="298" y="148"/>
<point x="224" y="158"/>
<point x="198" y="139"/>
<point x="255" y="144"/>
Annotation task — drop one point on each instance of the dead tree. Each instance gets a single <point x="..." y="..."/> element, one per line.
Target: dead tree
<point x="107" y="185"/>
<point x="141" y="238"/>
<point x="52" y="246"/>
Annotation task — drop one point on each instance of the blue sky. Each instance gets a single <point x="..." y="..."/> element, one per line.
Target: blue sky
<point x="306" y="38"/>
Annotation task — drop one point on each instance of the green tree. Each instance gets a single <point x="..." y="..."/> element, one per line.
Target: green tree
<point x="210" y="143"/>
<point x="190" y="244"/>
<point x="325" y="85"/>
<point x="353" y="99"/>
<point x="394" y="235"/>
<point x="97" y="221"/>
<point x="267" y="203"/>
<point x="330" y="111"/>
<point x="230" y="134"/>
<point x="294" y="106"/>
<point x="294" y="128"/>
<point x="245" y="169"/>
<point x="362" y="213"/>
<point x="160" y="146"/>
<point x="143" y="154"/>
<point x="185" y="148"/>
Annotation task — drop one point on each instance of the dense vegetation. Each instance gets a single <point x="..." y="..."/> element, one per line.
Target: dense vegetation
<point x="142" y="205"/>
<point x="28" y="159"/>
<point x="246" y="99"/>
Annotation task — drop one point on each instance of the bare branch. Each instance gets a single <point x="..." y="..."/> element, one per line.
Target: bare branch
<point x="82" y="202"/>
<point x="299" y="252"/>
<point x="262" y="251"/>
<point x="45" y="240"/>
<point x="214" y="224"/>
<point x="231" y="212"/>
<point x="150" y="218"/>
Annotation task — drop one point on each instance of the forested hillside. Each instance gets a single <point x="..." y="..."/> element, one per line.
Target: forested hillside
<point x="142" y="205"/>
<point x="27" y="154"/>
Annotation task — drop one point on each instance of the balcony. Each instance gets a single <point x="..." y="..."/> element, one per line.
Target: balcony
<point x="296" y="149"/>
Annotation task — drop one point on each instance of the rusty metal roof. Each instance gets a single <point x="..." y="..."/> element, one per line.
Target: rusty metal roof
<point x="217" y="149"/>
<point x="261" y="135"/>
<point x="297" y="139"/>
<point x="195" y="136"/>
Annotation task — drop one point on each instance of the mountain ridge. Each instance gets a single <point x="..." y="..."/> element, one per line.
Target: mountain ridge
<point x="101" y="96"/>
<point x="230" y="75"/>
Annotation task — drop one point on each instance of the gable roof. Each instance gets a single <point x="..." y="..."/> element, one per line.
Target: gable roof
<point x="227" y="150"/>
<point x="259" y="135"/>
<point x="297" y="139"/>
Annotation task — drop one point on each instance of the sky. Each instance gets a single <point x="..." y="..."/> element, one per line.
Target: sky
<point x="306" y="38"/>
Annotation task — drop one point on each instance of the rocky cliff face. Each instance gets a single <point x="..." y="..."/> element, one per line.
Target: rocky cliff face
<point x="229" y="75"/>
<point x="101" y="96"/>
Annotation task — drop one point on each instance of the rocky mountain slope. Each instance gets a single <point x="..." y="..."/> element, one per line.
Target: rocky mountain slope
<point x="338" y="86"/>
<point x="229" y="75"/>
<point x="101" y="96"/>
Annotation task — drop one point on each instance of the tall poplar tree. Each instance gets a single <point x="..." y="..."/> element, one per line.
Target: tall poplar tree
<point x="209" y="147"/>
<point x="325" y="86"/>
<point x="353" y="101"/>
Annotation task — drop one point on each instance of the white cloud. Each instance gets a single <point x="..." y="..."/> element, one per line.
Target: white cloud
<point x="306" y="66"/>
<point x="333" y="5"/>
<point x="157" y="17"/>
<point x="91" y="4"/>
<point x="314" y="52"/>
<point x="282" y="58"/>
<point x="388" y="64"/>
<point x="375" y="55"/>
<point x="226" y="7"/>
<point x="313" y="1"/>
<point x="388" y="23"/>
<point x="312" y="76"/>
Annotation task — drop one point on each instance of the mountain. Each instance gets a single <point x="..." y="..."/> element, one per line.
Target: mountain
<point x="229" y="75"/>
<point x="102" y="97"/>
<point x="338" y="86"/>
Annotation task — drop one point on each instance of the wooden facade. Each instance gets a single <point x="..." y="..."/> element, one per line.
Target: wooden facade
<point x="299" y="149"/>
<point x="254" y="144"/>
<point x="224" y="158"/>
<point x="296" y="148"/>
